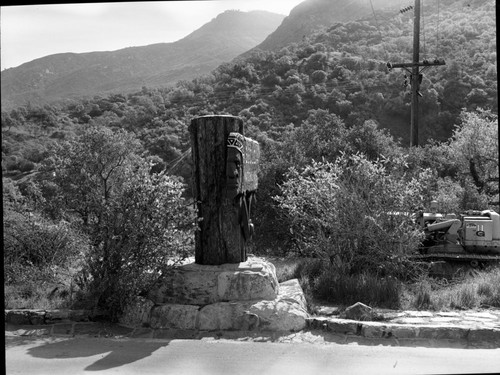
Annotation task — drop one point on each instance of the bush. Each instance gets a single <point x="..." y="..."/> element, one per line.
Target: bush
<point x="26" y="165"/>
<point x="355" y="215"/>
<point x="36" y="246"/>
<point x="137" y="221"/>
<point x="422" y="295"/>
<point x="309" y="269"/>
<point x="34" y="294"/>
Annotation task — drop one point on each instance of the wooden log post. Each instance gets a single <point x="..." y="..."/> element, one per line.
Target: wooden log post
<point x="223" y="196"/>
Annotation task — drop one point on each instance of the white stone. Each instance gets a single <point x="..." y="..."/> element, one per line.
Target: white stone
<point x="196" y="284"/>
<point x="419" y="314"/>
<point x="287" y="312"/>
<point x="227" y="316"/>
<point x="174" y="316"/>
<point x="448" y="314"/>
<point x="410" y="320"/>
<point x="358" y="311"/>
<point x="482" y="315"/>
<point x="136" y="313"/>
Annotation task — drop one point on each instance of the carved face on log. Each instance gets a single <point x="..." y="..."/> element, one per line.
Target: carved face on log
<point x="234" y="171"/>
<point x="234" y="164"/>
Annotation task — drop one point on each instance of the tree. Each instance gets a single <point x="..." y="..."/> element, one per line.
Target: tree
<point x="137" y="221"/>
<point x="354" y="214"/>
<point x="474" y="145"/>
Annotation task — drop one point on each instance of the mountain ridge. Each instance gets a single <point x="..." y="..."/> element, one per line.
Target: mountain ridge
<point x="311" y="15"/>
<point x="72" y="75"/>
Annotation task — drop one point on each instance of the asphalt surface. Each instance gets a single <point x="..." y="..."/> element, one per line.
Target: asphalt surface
<point x="207" y="356"/>
<point x="398" y="342"/>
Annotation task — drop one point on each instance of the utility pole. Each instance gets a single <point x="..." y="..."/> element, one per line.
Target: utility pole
<point x="415" y="74"/>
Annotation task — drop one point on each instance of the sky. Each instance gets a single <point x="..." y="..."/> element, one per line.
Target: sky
<point x="32" y="31"/>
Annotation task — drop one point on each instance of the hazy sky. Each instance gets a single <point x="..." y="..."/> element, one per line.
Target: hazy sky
<point x="29" y="32"/>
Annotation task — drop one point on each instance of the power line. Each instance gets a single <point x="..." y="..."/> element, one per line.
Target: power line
<point x="378" y="28"/>
<point x="437" y="28"/>
<point x="423" y="29"/>
<point x="416" y="76"/>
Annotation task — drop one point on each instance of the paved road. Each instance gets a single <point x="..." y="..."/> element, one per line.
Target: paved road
<point x="56" y="355"/>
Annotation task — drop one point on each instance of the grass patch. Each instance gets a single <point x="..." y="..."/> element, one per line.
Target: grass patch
<point x="479" y="290"/>
<point x="35" y="297"/>
<point x="349" y="289"/>
<point x="320" y="283"/>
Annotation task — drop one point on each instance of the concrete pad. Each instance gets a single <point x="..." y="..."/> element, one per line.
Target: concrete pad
<point x="443" y="319"/>
<point x="481" y="315"/>
<point x="419" y="314"/>
<point x="476" y="319"/>
<point x="410" y="320"/>
<point x="448" y="314"/>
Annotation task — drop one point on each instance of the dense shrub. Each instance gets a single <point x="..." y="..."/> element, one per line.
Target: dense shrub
<point x="32" y="243"/>
<point x="137" y="221"/>
<point x="355" y="215"/>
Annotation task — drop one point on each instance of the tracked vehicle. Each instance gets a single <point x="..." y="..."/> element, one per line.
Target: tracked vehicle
<point x="473" y="237"/>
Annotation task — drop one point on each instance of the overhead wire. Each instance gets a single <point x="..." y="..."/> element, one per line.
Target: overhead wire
<point x="437" y="28"/>
<point x="346" y="87"/>
<point x="378" y="29"/>
<point x="179" y="159"/>
<point x="423" y="29"/>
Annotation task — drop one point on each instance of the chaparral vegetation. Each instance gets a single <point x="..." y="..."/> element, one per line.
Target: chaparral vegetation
<point x="97" y="198"/>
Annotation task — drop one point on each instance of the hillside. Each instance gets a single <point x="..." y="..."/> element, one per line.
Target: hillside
<point x="72" y="75"/>
<point x="312" y="15"/>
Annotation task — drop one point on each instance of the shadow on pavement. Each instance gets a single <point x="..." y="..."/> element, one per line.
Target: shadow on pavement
<point x="114" y="353"/>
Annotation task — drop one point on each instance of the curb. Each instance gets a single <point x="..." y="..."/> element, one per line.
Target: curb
<point x="379" y="330"/>
<point x="87" y="322"/>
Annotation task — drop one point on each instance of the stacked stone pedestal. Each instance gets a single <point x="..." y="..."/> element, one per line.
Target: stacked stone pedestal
<point x="241" y="296"/>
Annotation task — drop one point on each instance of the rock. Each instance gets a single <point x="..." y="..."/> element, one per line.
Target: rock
<point x="137" y="313"/>
<point x="195" y="284"/>
<point x="174" y="316"/>
<point x="345" y="327"/>
<point x="358" y="311"/>
<point x="80" y="315"/>
<point x="18" y="317"/>
<point x="288" y="312"/>
<point x="37" y="317"/>
<point x="227" y="316"/>
<point x="326" y="310"/>
<point x="25" y="317"/>
<point x="54" y="315"/>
